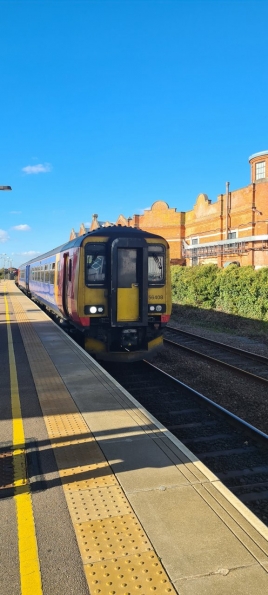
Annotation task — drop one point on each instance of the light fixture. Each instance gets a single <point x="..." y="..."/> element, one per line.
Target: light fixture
<point x="157" y="308"/>
<point x="255" y="210"/>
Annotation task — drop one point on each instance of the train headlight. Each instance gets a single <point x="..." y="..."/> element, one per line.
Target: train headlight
<point x="98" y="309"/>
<point x="151" y="308"/>
<point x="159" y="308"/>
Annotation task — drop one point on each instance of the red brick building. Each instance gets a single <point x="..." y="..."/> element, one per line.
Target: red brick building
<point x="232" y="229"/>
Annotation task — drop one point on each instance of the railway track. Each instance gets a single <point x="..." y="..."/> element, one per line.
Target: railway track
<point x="235" y="451"/>
<point x="240" y="361"/>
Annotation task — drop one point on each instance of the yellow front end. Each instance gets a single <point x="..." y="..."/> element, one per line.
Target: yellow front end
<point x="116" y="316"/>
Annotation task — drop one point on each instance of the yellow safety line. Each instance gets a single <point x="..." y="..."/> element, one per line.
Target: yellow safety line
<point x="30" y="576"/>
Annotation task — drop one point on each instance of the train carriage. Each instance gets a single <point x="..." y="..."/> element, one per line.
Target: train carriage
<point x="112" y="284"/>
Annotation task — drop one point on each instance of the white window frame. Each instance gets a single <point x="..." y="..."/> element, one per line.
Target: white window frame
<point x="260" y="170"/>
<point x="233" y="231"/>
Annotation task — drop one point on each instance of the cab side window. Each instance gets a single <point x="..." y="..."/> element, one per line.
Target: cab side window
<point x="156" y="264"/>
<point x="95" y="259"/>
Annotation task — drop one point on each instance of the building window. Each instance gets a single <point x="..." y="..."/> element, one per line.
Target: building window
<point x="232" y="235"/>
<point x="260" y="170"/>
<point x="194" y="257"/>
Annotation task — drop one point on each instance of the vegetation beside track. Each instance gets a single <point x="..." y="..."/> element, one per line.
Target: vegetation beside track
<point x="233" y="300"/>
<point x="194" y="318"/>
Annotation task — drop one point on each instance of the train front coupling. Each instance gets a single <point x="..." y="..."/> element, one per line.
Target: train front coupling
<point x="129" y="338"/>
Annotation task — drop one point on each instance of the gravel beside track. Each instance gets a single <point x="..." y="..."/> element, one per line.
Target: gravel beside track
<point x="246" y="399"/>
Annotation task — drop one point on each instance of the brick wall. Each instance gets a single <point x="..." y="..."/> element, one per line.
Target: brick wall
<point x="164" y="221"/>
<point x="246" y="216"/>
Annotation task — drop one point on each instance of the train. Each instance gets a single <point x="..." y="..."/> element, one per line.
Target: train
<point x="111" y="286"/>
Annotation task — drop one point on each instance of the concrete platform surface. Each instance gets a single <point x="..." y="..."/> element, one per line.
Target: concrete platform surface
<point x="124" y="507"/>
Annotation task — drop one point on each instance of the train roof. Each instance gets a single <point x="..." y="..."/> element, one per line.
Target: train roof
<point x="112" y="231"/>
<point x="120" y="231"/>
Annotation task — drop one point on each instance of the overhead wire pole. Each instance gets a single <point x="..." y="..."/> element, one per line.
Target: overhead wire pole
<point x="9" y="272"/>
<point x="5" y="255"/>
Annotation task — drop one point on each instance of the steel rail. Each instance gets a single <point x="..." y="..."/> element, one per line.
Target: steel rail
<point x="249" y="354"/>
<point x="238" y="420"/>
<point x="219" y="361"/>
<point x="232" y="448"/>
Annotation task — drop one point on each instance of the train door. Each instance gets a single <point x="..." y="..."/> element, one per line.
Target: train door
<point x="27" y="276"/>
<point x="129" y="282"/>
<point x="57" y="280"/>
<point x="65" y="283"/>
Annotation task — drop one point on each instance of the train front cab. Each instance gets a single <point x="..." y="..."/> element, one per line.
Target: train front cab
<point x="135" y="306"/>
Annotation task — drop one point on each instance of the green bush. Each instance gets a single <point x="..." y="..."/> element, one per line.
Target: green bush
<point x="194" y="286"/>
<point x="234" y="290"/>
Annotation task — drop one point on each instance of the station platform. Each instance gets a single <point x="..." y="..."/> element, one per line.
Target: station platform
<point x="96" y="496"/>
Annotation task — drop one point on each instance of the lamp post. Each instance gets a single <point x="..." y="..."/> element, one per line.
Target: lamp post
<point x="10" y="274"/>
<point x="8" y="265"/>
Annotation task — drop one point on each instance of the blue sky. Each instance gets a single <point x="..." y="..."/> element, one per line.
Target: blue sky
<point x="107" y="106"/>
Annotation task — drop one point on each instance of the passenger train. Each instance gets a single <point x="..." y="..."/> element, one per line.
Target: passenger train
<point x="111" y="284"/>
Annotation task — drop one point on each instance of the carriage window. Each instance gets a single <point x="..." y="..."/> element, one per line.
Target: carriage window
<point x="52" y="273"/>
<point x="156" y="255"/>
<point x="95" y="256"/>
<point x="46" y="273"/>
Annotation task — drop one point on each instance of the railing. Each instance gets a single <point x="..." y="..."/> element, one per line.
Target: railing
<point x="225" y="247"/>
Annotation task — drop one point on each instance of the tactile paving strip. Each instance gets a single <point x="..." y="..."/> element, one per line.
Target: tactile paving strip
<point x="64" y="424"/>
<point x="93" y="508"/>
<point x="73" y="453"/>
<point x="94" y="476"/>
<point x="89" y="505"/>
<point x="142" y="573"/>
<point x="105" y="539"/>
<point x="82" y="465"/>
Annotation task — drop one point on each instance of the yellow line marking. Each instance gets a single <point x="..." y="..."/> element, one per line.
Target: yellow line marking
<point x="89" y="491"/>
<point x="30" y="576"/>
